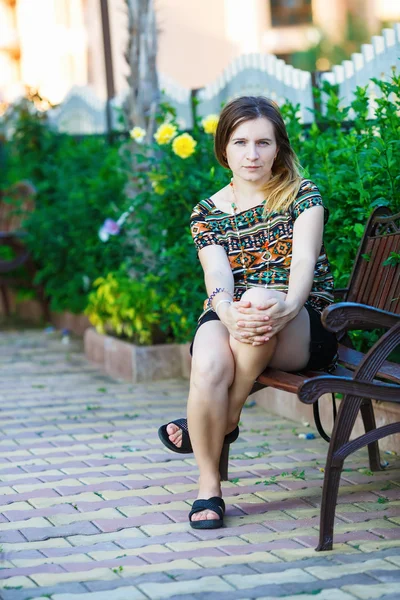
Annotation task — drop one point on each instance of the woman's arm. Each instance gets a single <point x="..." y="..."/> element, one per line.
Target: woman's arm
<point x="218" y="274"/>
<point x="306" y="247"/>
<point x="307" y="241"/>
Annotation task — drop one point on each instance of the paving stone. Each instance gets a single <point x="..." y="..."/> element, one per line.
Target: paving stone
<point x="122" y="594"/>
<point x="126" y="582"/>
<point x="327" y="594"/>
<point x="11" y="537"/>
<point x="132" y="506"/>
<point x="333" y="571"/>
<point x="290" y="575"/>
<point x="28" y="571"/>
<point x="20" y="515"/>
<point x="311" y="587"/>
<point x="42" y="593"/>
<point x="385" y="576"/>
<point x="215" y="571"/>
<point x="36" y="534"/>
<point x="158" y="591"/>
<point x="371" y="592"/>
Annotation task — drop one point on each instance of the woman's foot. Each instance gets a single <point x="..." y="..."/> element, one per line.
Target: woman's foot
<point x="175" y="434"/>
<point x="207" y="491"/>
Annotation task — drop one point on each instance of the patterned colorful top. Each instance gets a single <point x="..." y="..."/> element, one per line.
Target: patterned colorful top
<point x="211" y="226"/>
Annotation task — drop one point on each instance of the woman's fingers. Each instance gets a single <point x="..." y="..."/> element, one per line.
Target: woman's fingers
<point x="256" y="332"/>
<point x="251" y="319"/>
<point x="254" y="325"/>
<point x="262" y="306"/>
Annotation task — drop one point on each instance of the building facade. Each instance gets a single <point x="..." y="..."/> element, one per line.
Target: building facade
<point x="53" y="45"/>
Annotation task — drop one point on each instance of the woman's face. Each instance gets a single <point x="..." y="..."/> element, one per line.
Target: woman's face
<point x="251" y="150"/>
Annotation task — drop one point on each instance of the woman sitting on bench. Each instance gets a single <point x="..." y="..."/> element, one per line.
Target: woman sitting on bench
<point x="259" y="241"/>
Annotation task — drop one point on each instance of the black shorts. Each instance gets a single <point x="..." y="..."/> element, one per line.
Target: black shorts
<point x="323" y="344"/>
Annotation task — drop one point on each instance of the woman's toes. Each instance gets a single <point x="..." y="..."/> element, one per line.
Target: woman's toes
<point x="205" y="515"/>
<point x="176" y="439"/>
<point x="174" y="434"/>
<point x="172" y="428"/>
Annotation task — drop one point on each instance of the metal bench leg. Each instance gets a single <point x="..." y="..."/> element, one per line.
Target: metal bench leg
<point x="328" y="506"/>
<point x="342" y="429"/>
<point x="223" y="462"/>
<point x="368" y="417"/>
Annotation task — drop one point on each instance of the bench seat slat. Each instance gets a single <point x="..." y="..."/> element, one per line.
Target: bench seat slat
<point x="349" y="359"/>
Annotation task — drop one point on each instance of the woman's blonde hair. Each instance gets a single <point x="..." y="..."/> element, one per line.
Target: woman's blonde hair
<point x="283" y="186"/>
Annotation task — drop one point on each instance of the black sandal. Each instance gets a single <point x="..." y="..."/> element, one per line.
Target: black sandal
<point x="186" y="447"/>
<point x="215" y="504"/>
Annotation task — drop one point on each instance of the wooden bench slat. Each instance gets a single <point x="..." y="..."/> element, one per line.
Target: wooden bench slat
<point x="349" y="359"/>
<point x="358" y="281"/>
<point x="383" y="281"/>
<point x="393" y="291"/>
<point x="290" y="382"/>
<point x="370" y="281"/>
<point x="287" y="382"/>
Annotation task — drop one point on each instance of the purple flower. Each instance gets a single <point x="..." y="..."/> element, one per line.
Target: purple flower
<point x="108" y="228"/>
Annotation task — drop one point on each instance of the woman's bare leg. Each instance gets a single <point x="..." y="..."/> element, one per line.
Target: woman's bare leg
<point x="212" y="374"/>
<point x="222" y="375"/>
<point x="288" y="350"/>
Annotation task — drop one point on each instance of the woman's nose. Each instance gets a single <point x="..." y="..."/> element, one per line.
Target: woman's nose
<point x="252" y="152"/>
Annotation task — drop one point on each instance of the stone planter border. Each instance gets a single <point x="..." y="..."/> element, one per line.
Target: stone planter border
<point x="123" y="360"/>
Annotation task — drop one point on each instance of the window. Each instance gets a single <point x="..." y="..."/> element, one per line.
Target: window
<point x="290" y="12"/>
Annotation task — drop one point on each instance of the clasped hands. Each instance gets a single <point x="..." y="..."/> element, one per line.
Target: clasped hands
<point x="257" y="323"/>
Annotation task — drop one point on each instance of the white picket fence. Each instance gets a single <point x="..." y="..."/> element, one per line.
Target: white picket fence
<point x="250" y="74"/>
<point x="378" y="60"/>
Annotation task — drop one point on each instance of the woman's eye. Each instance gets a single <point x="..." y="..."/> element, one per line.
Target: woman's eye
<point x="262" y="143"/>
<point x="239" y="142"/>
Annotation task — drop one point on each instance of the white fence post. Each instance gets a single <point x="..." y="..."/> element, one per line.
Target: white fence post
<point x="376" y="60"/>
<point x="249" y="74"/>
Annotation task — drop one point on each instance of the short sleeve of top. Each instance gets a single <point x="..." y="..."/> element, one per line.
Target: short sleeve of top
<point x="201" y="229"/>
<point x="307" y="197"/>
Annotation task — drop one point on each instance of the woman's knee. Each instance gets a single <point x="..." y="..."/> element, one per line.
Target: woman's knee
<point x="212" y="370"/>
<point x="259" y="294"/>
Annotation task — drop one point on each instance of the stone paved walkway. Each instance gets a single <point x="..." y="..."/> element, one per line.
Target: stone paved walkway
<point x="93" y="507"/>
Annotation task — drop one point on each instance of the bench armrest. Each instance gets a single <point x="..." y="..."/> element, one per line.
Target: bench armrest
<point x="312" y="389"/>
<point x="340" y="293"/>
<point x="350" y="315"/>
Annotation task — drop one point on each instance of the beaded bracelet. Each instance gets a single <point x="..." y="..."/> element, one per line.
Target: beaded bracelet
<point x="214" y="293"/>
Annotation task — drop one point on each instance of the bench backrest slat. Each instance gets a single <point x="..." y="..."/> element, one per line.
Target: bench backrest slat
<point x="372" y="282"/>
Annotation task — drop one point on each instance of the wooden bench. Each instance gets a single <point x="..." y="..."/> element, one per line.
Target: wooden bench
<point x="15" y="203"/>
<point x="371" y="300"/>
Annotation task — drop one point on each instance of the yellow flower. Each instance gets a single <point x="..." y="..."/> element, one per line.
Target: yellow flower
<point x="210" y="123"/>
<point x="137" y="134"/>
<point x="165" y="133"/>
<point x="184" y="145"/>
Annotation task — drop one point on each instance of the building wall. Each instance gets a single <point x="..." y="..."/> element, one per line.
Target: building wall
<point x="55" y="44"/>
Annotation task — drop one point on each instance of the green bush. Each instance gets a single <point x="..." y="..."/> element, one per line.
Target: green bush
<point x="169" y="187"/>
<point x="79" y="183"/>
<point x="130" y="308"/>
<point x="354" y="164"/>
<point x="352" y="159"/>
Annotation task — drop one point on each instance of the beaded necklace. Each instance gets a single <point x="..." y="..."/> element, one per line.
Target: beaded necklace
<point x="242" y="251"/>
